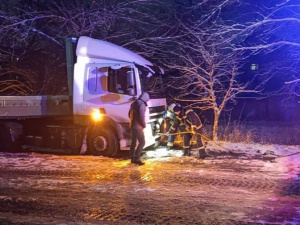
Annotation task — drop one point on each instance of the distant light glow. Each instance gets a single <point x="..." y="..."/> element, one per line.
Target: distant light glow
<point x="254" y="66"/>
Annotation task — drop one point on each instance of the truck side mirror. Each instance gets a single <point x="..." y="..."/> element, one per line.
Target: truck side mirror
<point x="130" y="78"/>
<point x="130" y="83"/>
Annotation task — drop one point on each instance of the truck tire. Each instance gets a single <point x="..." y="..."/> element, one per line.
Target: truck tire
<point x="102" y="142"/>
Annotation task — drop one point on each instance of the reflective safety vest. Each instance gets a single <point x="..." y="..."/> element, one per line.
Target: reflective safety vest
<point x="169" y="113"/>
<point x="187" y="118"/>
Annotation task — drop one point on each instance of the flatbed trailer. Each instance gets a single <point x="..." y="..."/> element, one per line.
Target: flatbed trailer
<point x="34" y="106"/>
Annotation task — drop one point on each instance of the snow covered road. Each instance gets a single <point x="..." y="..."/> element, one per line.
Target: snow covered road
<point x="51" y="189"/>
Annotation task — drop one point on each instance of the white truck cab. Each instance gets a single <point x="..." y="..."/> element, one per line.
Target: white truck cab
<point x="108" y="77"/>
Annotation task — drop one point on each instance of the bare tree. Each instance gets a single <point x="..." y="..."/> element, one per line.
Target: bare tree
<point x="210" y="77"/>
<point x="218" y="42"/>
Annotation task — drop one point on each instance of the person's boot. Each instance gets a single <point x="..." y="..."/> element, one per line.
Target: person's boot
<point x="132" y="159"/>
<point x="202" y="153"/>
<point x="187" y="152"/>
<point x="139" y="162"/>
<point x="170" y="148"/>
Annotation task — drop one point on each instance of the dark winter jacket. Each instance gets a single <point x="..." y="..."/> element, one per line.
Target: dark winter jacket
<point x="187" y="118"/>
<point x="137" y="112"/>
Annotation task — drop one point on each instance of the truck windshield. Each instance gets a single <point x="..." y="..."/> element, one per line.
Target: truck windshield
<point x="152" y="83"/>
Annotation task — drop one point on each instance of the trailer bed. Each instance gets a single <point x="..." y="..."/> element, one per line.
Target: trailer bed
<point x="34" y="106"/>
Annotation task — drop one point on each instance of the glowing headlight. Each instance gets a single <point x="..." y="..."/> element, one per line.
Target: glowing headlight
<point x="96" y="115"/>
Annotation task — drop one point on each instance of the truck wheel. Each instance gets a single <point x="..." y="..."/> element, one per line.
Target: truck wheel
<point x="102" y="142"/>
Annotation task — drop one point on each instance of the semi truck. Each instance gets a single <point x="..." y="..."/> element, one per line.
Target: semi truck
<point x="103" y="80"/>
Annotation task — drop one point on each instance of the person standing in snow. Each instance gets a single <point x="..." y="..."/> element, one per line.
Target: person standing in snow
<point x="192" y="123"/>
<point x="137" y="124"/>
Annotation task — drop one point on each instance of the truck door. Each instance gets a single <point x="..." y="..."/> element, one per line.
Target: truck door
<point x="113" y="88"/>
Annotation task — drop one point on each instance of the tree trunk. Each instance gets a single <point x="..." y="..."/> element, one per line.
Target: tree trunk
<point x="216" y="125"/>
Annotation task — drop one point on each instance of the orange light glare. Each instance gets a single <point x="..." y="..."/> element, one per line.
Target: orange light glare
<point x="96" y="115"/>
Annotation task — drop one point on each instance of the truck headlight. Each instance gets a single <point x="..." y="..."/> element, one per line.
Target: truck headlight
<point x="97" y="114"/>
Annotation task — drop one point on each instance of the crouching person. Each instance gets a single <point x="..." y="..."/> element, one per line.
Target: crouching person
<point x="171" y="118"/>
<point x="137" y="124"/>
<point x="193" y="124"/>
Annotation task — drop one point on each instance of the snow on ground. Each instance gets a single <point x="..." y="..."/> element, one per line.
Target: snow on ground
<point x="287" y="157"/>
<point x="255" y="148"/>
<point x="246" y="149"/>
<point x="47" y="162"/>
<point x="210" y="190"/>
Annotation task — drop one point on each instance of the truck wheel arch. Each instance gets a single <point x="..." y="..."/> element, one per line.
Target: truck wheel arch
<point x="109" y="123"/>
<point x="103" y="138"/>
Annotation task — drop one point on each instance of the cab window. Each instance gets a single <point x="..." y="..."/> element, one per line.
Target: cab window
<point x="121" y="81"/>
<point x="97" y="80"/>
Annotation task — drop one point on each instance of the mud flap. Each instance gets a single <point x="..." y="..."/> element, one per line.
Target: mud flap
<point x="83" y="149"/>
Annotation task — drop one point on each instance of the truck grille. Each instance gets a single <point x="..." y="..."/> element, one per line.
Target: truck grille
<point x="156" y="112"/>
<point x="157" y="109"/>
